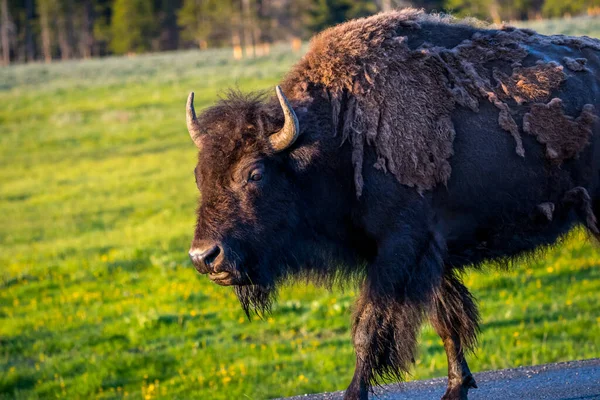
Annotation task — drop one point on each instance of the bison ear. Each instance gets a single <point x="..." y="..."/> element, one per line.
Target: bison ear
<point x="193" y="125"/>
<point x="285" y="137"/>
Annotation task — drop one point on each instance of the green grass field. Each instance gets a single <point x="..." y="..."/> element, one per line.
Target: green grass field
<point x="98" y="298"/>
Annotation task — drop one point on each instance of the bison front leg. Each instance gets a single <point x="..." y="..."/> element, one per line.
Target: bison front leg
<point x="455" y="317"/>
<point x="385" y="338"/>
<point x="390" y="310"/>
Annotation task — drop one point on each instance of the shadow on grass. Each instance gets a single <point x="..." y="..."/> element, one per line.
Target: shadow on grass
<point x="160" y="366"/>
<point x="16" y="280"/>
<point x="13" y="382"/>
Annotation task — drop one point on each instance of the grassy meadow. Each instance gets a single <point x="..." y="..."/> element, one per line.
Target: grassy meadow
<point x="99" y="300"/>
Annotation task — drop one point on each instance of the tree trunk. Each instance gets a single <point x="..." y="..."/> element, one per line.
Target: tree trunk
<point x="4" y="31"/>
<point x="46" y="32"/>
<point x="247" y="28"/>
<point x="63" y="25"/>
<point x="86" y="41"/>
<point x="29" y="45"/>
<point x="63" y="42"/>
<point x="236" y="42"/>
<point x="168" y="20"/>
<point x="494" y="12"/>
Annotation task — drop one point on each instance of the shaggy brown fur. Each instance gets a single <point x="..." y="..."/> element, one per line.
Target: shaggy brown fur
<point x="577" y="64"/>
<point x="387" y="86"/>
<point x="390" y="88"/>
<point x="399" y="99"/>
<point x="531" y="84"/>
<point x="374" y="324"/>
<point x="455" y="318"/>
<point x="453" y="311"/>
<point x="563" y="136"/>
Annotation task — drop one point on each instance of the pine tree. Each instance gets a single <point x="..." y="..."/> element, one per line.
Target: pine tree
<point x="64" y="27"/>
<point x="167" y="18"/>
<point x="84" y="28"/>
<point x="29" y="36"/>
<point x="47" y="10"/>
<point x="6" y="26"/>
<point x="132" y="26"/>
<point x="205" y="22"/>
<point x="556" y="8"/>
<point x="325" y="13"/>
<point x="102" y="11"/>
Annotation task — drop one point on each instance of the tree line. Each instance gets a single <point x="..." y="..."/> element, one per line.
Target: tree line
<point x="33" y="30"/>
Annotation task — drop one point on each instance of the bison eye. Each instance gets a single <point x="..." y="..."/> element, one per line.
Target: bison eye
<point x="256" y="176"/>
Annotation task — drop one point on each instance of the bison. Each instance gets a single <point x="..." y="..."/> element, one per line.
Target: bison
<point x="402" y="149"/>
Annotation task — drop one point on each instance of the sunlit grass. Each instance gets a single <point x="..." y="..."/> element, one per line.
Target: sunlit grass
<point x="98" y="298"/>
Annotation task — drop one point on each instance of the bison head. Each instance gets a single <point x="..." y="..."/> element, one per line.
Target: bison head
<point x="251" y="217"/>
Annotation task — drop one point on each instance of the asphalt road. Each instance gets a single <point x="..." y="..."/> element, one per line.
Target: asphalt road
<point x="574" y="380"/>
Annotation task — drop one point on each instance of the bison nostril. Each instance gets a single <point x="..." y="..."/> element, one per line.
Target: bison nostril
<point x="203" y="256"/>
<point x="211" y="254"/>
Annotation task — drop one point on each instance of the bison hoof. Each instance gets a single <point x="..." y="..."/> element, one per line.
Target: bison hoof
<point x="460" y="391"/>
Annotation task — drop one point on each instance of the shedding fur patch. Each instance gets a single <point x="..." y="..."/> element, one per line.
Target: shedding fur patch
<point x="465" y="66"/>
<point x="563" y="135"/>
<point x="575" y="64"/>
<point x="399" y="100"/>
<point x="531" y="84"/>
<point x="389" y="90"/>
<point x="577" y="42"/>
<point x="546" y="210"/>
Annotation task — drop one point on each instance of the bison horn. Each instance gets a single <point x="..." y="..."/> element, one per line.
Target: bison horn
<point x="192" y="122"/>
<point x="284" y="138"/>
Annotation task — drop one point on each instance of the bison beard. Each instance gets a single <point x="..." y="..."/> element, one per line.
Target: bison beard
<point x="255" y="298"/>
<point x="416" y="146"/>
